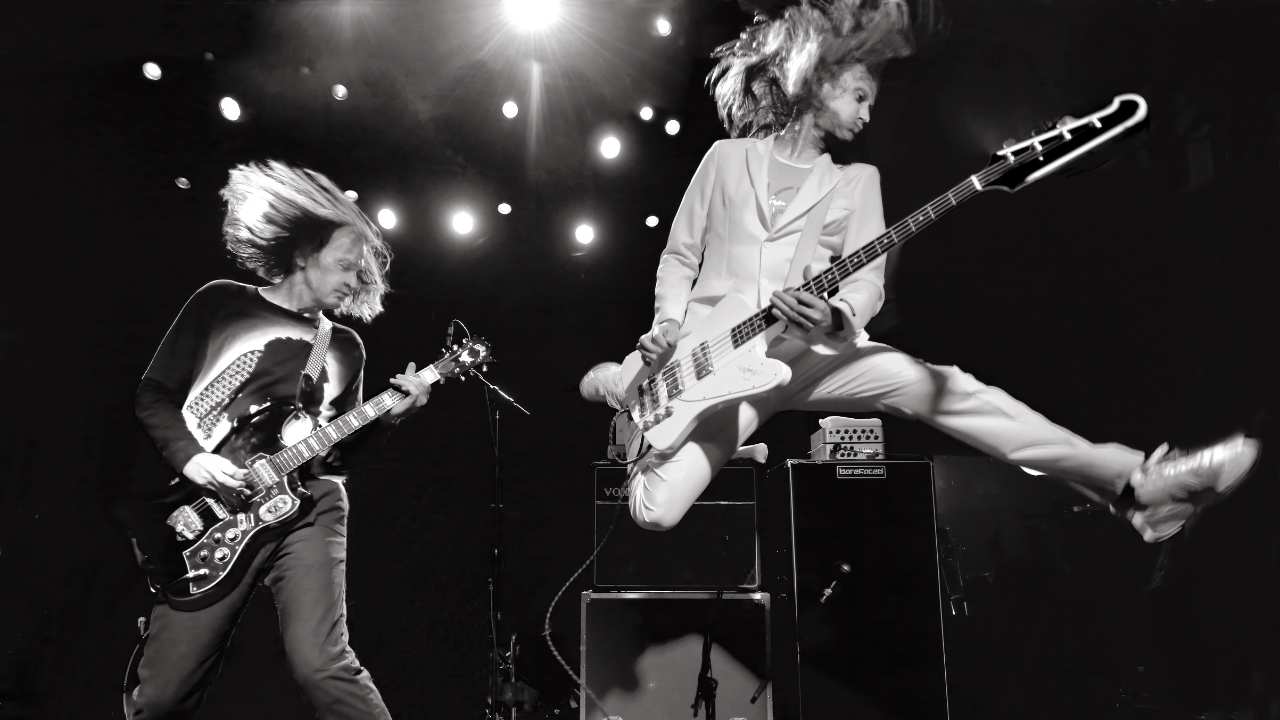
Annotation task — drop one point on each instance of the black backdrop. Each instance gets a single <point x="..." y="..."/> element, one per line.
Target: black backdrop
<point x="1132" y="303"/>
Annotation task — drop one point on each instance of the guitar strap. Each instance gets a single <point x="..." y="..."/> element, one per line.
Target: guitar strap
<point x="808" y="240"/>
<point x="315" y="363"/>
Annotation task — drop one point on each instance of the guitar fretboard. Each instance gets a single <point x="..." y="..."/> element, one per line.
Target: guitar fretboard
<point x="292" y="457"/>
<point x="826" y="283"/>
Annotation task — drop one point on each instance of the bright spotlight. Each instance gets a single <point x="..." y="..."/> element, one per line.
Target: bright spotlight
<point x="151" y="71"/>
<point x="230" y="108"/>
<point x="584" y="234"/>
<point x="504" y="209"/>
<point x="510" y="108"/>
<point x="662" y="25"/>
<point x="672" y="127"/>
<point x="182" y="182"/>
<point x="387" y="218"/>
<point x="610" y="147"/>
<point x="339" y="91"/>
<point x="651" y="221"/>
<point x="462" y="222"/>
<point x="531" y="15"/>
<point x="646" y="113"/>
<point x="352" y="195"/>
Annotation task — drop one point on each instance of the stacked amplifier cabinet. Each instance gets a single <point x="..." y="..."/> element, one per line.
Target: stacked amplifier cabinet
<point x="850" y="560"/>
<point x="645" y="655"/>
<point x="713" y="548"/>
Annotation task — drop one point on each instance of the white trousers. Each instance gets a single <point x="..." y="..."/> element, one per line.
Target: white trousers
<point x="873" y="377"/>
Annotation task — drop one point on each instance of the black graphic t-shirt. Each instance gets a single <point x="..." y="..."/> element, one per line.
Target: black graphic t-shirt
<point x="229" y="352"/>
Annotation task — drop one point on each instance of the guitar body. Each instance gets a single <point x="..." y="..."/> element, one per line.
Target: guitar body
<point x="190" y="544"/>
<point x="693" y="384"/>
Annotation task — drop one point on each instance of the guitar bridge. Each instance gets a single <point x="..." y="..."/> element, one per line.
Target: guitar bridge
<point x="185" y="522"/>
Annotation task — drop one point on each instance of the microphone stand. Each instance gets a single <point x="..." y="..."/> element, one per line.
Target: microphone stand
<point x="508" y="691"/>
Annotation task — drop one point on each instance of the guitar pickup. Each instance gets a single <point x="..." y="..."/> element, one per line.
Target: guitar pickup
<point x="217" y="509"/>
<point x="702" y="365"/>
<point x="185" y="522"/>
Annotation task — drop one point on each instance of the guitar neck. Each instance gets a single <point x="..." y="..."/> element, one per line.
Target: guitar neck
<point x="320" y="441"/>
<point x="826" y="283"/>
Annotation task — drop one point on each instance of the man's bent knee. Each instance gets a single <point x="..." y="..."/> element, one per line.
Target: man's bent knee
<point x="652" y="514"/>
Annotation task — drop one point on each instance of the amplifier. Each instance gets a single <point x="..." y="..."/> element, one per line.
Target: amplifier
<point x="843" y="438"/>
<point x="851" y="561"/>
<point x="643" y="654"/>
<point x="714" y="547"/>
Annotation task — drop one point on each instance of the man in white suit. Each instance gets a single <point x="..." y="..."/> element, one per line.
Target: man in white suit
<point x="782" y="89"/>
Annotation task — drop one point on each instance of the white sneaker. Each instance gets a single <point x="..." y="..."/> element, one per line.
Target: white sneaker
<point x="1171" y="486"/>
<point x="603" y="383"/>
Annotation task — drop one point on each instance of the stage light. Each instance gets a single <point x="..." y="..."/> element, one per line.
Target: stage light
<point x="230" y="108"/>
<point x="182" y="182"/>
<point x="208" y="56"/>
<point x="662" y="25"/>
<point x="462" y="222"/>
<point x="339" y="91"/>
<point x="504" y="209"/>
<point x="532" y="15"/>
<point x="672" y="127"/>
<point x="352" y="195"/>
<point x="651" y="221"/>
<point x="387" y="218"/>
<point x="646" y="113"/>
<point x="510" y="109"/>
<point x="610" y="146"/>
<point x="584" y="234"/>
<point x="151" y="71"/>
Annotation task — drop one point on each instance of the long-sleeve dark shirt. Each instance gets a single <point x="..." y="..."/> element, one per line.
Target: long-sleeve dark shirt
<point x="228" y="352"/>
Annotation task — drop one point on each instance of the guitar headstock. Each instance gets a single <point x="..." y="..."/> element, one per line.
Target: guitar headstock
<point x="462" y="357"/>
<point x="1016" y="166"/>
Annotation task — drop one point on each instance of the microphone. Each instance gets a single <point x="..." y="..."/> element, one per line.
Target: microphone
<point x="448" y="336"/>
<point x="844" y="568"/>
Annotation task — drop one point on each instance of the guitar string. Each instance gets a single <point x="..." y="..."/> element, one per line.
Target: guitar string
<point x="760" y="321"/>
<point x="390" y="395"/>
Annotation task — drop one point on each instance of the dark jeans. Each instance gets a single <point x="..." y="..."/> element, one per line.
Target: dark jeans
<point x="306" y="571"/>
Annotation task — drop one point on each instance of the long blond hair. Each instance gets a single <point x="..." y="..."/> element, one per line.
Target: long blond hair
<point x="276" y="212"/>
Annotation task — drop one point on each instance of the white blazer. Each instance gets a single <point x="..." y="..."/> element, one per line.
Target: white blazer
<point x="722" y="240"/>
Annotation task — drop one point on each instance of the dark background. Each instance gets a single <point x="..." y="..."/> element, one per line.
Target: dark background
<point x="1133" y="302"/>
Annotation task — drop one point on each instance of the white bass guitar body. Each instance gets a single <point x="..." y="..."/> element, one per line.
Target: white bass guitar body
<point x="666" y="403"/>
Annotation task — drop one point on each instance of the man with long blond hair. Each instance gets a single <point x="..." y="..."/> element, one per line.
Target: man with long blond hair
<point x="783" y="89"/>
<point x="232" y="348"/>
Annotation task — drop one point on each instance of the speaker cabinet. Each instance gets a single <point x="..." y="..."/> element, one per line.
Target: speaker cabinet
<point x="643" y="654"/>
<point x="851" y="561"/>
<point x="713" y="548"/>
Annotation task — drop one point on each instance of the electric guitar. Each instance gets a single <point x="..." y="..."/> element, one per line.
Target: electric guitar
<point x="722" y="359"/>
<point x="189" y="542"/>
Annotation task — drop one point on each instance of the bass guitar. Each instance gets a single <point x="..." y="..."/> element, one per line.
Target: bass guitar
<point x="722" y="359"/>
